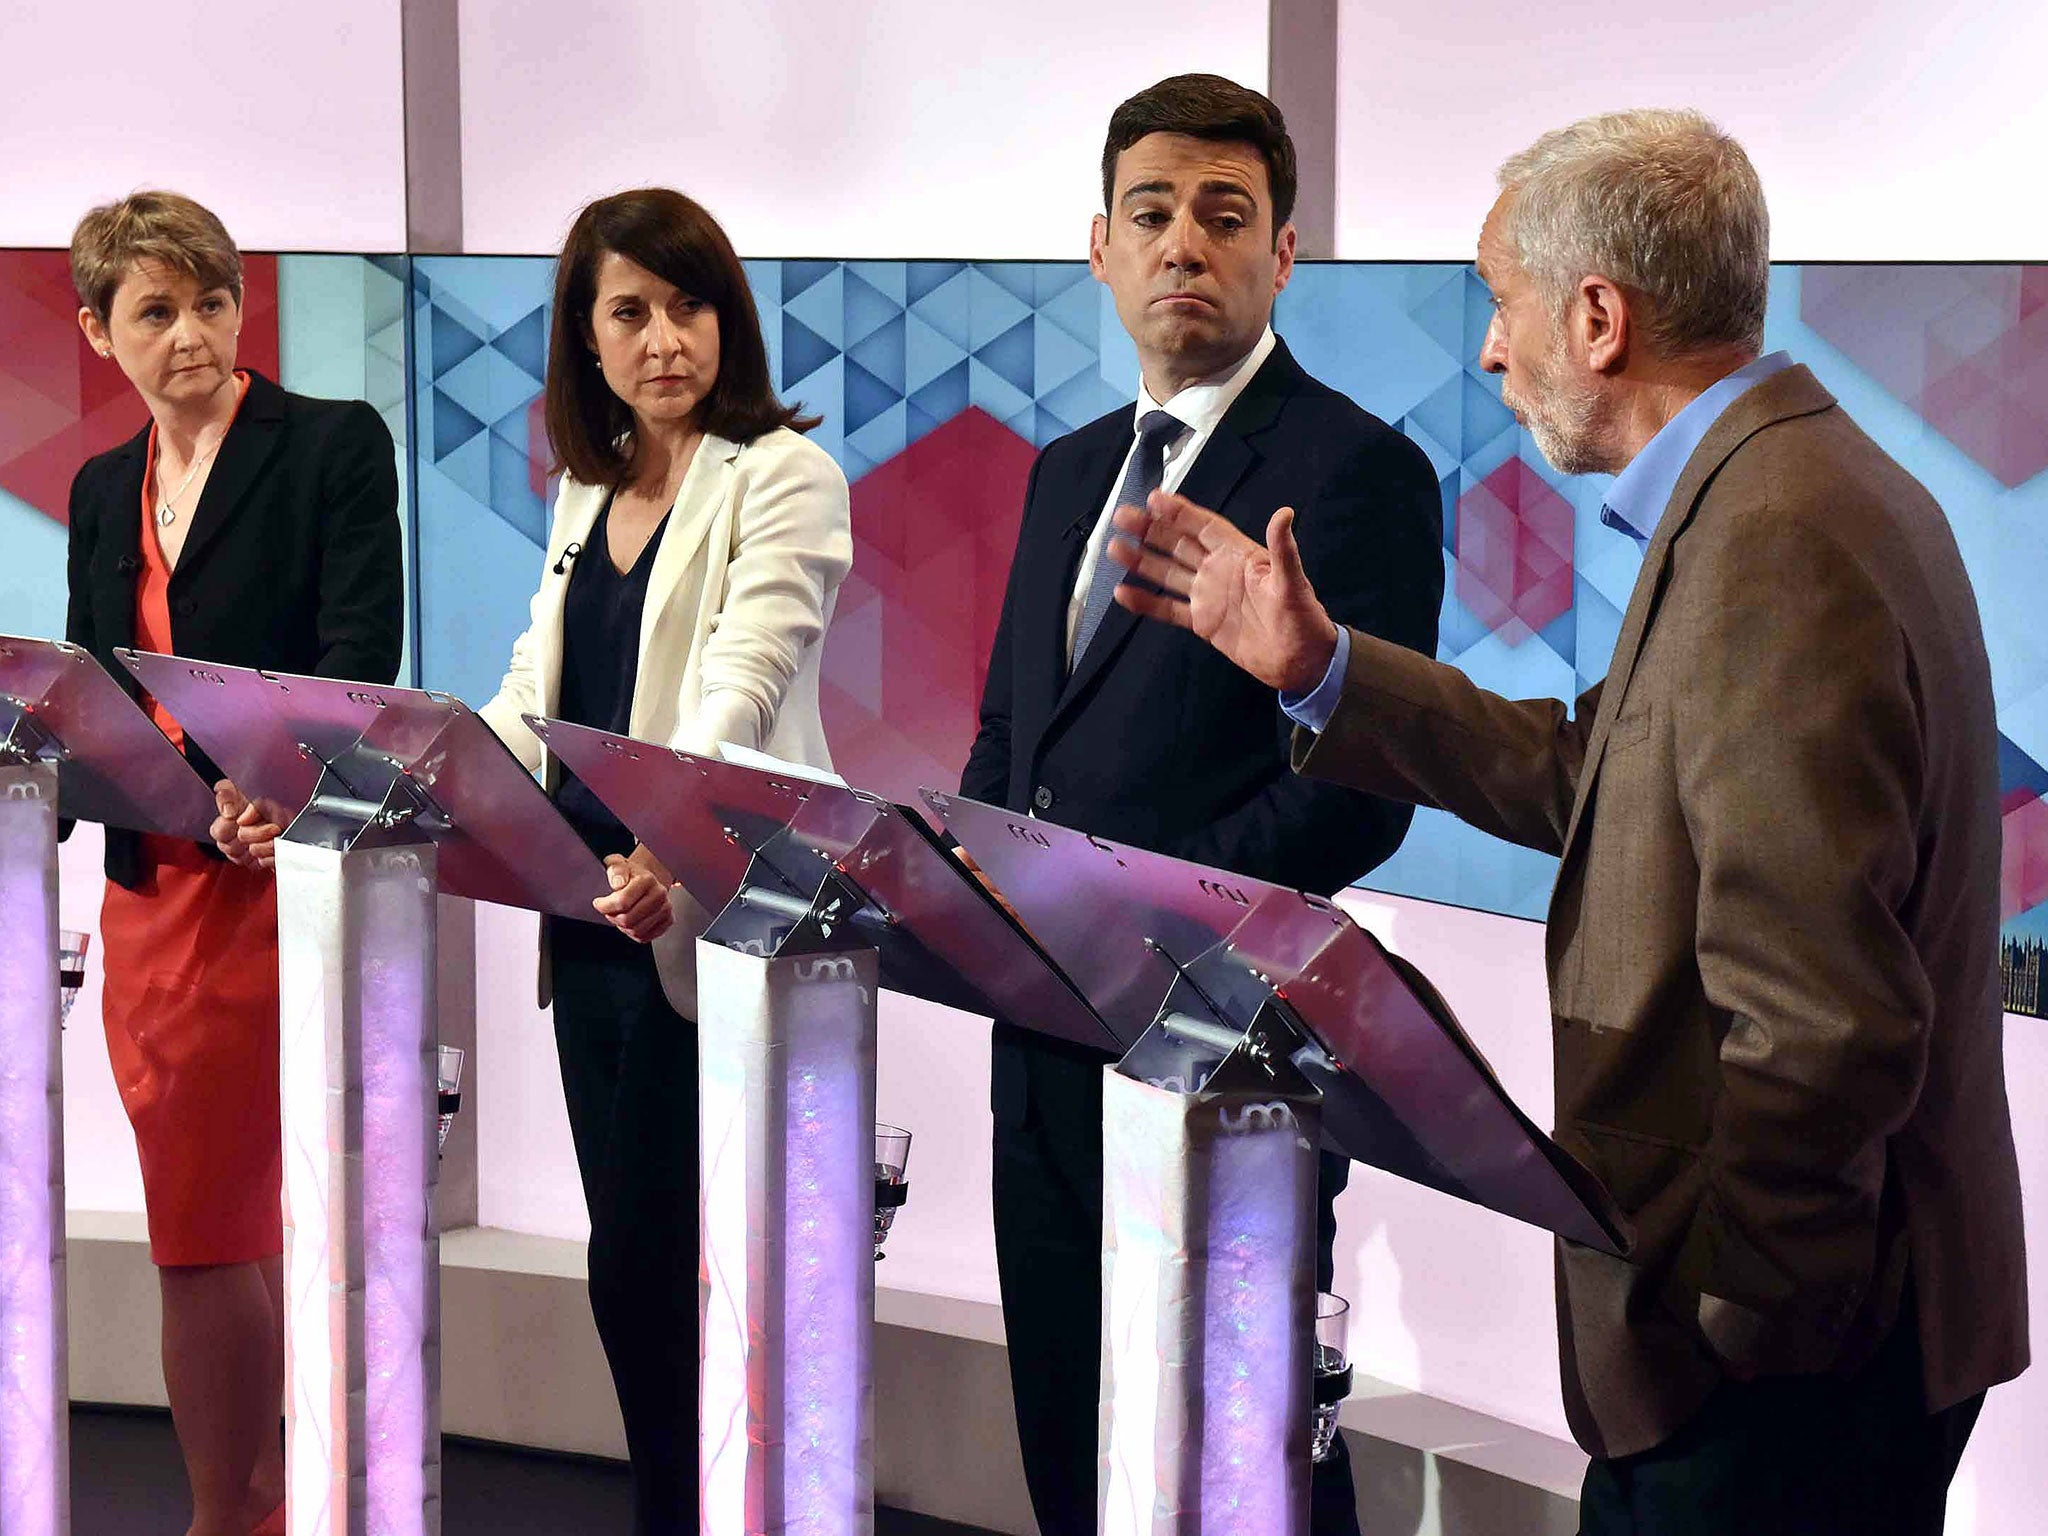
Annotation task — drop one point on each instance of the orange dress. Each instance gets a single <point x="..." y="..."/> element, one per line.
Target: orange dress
<point x="191" y="1015"/>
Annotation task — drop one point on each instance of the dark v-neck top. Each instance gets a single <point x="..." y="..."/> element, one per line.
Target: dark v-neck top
<point x="600" y="661"/>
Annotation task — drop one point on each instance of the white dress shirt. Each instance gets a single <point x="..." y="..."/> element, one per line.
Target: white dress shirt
<point x="1202" y="406"/>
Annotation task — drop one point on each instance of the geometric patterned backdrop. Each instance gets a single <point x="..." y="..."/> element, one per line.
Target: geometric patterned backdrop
<point x="938" y="381"/>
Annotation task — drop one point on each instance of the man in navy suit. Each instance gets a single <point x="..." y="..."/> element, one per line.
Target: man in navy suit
<point x="1140" y="732"/>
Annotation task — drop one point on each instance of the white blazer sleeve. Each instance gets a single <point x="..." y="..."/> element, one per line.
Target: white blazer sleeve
<point x="520" y="691"/>
<point x="792" y="546"/>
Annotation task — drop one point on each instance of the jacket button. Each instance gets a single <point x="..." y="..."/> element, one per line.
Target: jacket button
<point x="1042" y="798"/>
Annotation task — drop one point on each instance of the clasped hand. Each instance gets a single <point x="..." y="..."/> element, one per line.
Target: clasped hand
<point x="1252" y="602"/>
<point x="638" y="905"/>
<point x="246" y="831"/>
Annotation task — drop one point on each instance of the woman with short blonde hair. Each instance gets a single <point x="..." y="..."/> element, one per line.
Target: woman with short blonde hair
<point x="254" y="527"/>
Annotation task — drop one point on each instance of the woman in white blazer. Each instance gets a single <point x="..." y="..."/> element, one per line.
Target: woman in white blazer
<point x="697" y="548"/>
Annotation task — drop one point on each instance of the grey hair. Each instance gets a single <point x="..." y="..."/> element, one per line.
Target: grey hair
<point x="1663" y="203"/>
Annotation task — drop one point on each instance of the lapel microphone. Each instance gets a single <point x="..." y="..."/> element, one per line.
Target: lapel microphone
<point x="574" y="549"/>
<point x="128" y="565"/>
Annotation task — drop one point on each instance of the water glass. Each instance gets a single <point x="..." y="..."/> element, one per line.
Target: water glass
<point x="71" y="947"/>
<point x="892" y="1156"/>
<point x="1333" y="1370"/>
<point x="448" y="1076"/>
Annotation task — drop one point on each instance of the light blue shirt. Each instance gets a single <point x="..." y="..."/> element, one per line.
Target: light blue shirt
<point x="1635" y="505"/>
<point x="1636" y="501"/>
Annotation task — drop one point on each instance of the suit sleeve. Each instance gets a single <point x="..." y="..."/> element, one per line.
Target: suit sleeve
<point x="1371" y="541"/>
<point x="361" y="623"/>
<point x="1418" y="730"/>
<point x="987" y="775"/>
<point x="1800" y="764"/>
<point x="792" y="547"/>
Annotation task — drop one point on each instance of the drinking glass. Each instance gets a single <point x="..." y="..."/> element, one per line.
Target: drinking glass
<point x="892" y="1155"/>
<point x="71" y="947"/>
<point x="448" y="1076"/>
<point x="1333" y="1370"/>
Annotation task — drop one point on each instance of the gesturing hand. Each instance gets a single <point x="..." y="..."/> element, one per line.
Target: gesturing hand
<point x="1253" y="603"/>
<point x="638" y="905"/>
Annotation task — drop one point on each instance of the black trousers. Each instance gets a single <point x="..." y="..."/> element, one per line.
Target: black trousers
<point x="1048" y="1221"/>
<point x="629" y="1074"/>
<point x="1855" y="1455"/>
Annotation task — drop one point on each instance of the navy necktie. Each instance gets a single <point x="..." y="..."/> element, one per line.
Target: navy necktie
<point x="1147" y="468"/>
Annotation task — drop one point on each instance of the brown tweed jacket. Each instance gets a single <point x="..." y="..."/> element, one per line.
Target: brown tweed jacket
<point x="1772" y="944"/>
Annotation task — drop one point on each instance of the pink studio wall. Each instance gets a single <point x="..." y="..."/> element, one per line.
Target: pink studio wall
<point x="1885" y="130"/>
<point x="913" y="128"/>
<point x="286" y="119"/>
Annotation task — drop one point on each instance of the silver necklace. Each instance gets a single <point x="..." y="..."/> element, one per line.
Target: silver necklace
<point x="166" y="514"/>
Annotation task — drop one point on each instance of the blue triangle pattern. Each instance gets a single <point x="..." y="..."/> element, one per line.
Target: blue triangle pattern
<point x="882" y="438"/>
<point x="992" y="392"/>
<point x="469" y="467"/>
<point x="1052" y="278"/>
<point x="512" y="497"/>
<point x="883" y="355"/>
<point x="949" y="308"/>
<point x="452" y="341"/>
<point x="1017" y="277"/>
<point x="992" y="309"/>
<point x="891" y="279"/>
<point x="1441" y="315"/>
<point x="866" y="309"/>
<point x="1056" y="357"/>
<point x="804" y="351"/>
<point x="453" y="426"/>
<point x="1077" y="310"/>
<point x="1483" y="418"/>
<point x="822" y="307"/>
<point x="945" y="396"/>
<point x="526" y="345"/>
<point x="800" y="276"/>
<point x="1010" y="354"/>
<point x="921" y="278"/>
<point x="926" y="353"/>
<point x="866" y="396"/>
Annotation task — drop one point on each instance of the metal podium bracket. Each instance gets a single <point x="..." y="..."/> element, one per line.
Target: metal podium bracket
<point x="786" y="993"/>
<point x="364" y="799"/>
<point x="35" y="1472"/>
<point x="25" y="741"/>
<point x="356" y="908"/>
<point x="1210" y="1131"/>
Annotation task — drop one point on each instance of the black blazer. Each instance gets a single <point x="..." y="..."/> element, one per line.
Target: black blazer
<point x="1157" y="740"/>
<point x="293" y="562"/>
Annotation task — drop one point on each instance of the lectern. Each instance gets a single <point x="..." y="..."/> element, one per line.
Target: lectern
<point x="1267" y="1024"/>
<point x="392" y="794"/>
<point x="822" y="893"/>
<point x="72" y="743"/>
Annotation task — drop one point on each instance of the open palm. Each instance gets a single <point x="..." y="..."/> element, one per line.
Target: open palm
<point x="1252" y="602"/>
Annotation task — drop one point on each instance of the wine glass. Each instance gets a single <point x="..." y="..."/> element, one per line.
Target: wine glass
<point x="1333" y="1370"/>
<point x="892" y="1155"/>
<point x="71" y="948"/>
<point x="448" y="1075"/>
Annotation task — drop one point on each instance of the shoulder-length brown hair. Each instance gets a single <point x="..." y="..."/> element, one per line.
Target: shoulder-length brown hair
<point x="675" y="239"/>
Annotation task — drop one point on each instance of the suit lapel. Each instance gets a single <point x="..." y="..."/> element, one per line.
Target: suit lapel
<point x="251" y="442"/>
<point x="1042" y="604"/>
<point x="699" y="500"/>
<point x="1794" y="392"/>
<point x="120" y="551"/>
<point x="575" y="516"/>
<point x="1211" y="481"/>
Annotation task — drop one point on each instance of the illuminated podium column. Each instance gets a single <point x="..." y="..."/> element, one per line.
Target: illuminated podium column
<point x="1284" y="1027"/>
<point x="393" y="795"/>
<point x="362" y="1272"/>
<point x="1208" y="1291"/>
<point x="72" y="743"/>
<point x="786" y="1074"/>
<point x="822" y="891"/>
<point x="34" y="1417"/>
